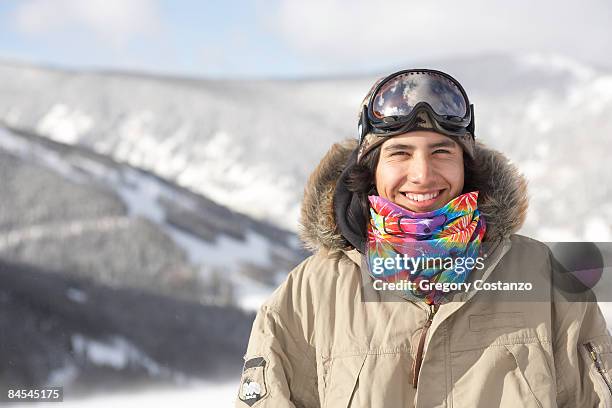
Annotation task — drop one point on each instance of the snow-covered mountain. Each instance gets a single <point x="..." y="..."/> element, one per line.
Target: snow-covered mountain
<point x="81" y="213"/>
<point x="250" y="145"/>
<point x="111" y="277"/>
<point x="247" y="145"/>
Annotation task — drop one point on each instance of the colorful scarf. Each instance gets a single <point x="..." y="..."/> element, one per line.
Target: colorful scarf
<point x="452" y="232"/>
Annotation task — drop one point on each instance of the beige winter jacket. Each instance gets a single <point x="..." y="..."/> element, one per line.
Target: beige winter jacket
<point x="325" y="338"/>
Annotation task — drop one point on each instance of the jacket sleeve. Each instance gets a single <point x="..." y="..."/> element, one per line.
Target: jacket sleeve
<point x="583" y="355"/>
<point x="280" y="364"/>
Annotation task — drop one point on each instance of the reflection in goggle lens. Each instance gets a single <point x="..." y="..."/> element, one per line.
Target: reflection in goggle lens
<point x="400" y="95"/>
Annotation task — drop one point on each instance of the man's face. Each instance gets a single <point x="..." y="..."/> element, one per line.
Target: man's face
<point x="420" y="170"/>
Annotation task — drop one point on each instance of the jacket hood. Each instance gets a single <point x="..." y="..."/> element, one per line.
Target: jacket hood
<point x="502" y="198"/>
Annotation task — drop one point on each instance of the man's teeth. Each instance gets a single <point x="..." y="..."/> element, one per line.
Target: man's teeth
<point x="422" y="197"/>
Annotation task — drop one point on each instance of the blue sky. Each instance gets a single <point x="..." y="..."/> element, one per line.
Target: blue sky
<point x="291" y="38"/>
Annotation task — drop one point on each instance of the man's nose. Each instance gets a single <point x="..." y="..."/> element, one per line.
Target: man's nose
<point x="419" y="170"/>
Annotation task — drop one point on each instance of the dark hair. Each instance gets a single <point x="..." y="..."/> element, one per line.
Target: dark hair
<point x="361" y="182"/>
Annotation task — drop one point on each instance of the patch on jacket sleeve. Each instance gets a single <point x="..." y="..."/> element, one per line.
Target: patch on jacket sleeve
<point x="253" y="381"/>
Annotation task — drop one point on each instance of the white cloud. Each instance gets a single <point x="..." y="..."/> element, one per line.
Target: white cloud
<point x="114" y="22"/>
<point x="355" y="31"/>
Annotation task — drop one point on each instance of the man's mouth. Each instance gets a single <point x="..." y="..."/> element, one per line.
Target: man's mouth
<point x="422" y="197"/>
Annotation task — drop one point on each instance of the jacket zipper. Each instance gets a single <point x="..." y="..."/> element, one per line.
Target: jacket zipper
<point x="595" y="357"/>
<point x="416" y="367"/>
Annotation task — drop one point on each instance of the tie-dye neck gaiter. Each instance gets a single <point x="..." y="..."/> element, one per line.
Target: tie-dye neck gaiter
<point x="434" y="246"/>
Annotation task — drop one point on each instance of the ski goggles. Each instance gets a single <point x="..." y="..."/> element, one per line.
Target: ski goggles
<point x="399" y="102"/>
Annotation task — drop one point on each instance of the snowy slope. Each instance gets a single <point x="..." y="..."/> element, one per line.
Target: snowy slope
<point x="218" y="138"/>
<point x="227" y="250"/>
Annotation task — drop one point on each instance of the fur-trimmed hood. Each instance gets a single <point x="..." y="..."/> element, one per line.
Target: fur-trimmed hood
<point x="502" y="199"/>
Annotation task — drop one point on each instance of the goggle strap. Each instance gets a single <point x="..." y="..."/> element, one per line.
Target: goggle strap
<point x="471" y="126"/>
<point x="363" y="127"/>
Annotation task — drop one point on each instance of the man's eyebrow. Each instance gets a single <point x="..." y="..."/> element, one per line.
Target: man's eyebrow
<point x="444" y="143"/>
<point x="398" y="146"/>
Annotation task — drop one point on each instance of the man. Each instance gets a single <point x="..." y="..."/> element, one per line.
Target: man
<point x="417" y="181"/>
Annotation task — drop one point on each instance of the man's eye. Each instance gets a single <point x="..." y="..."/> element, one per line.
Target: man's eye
<point x="443" y="151"/>
<point x="398" y="153"/>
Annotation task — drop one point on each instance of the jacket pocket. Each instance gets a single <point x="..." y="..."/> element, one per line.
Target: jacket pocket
<point x="511" y="375"/>
<point x="480" y="323"/>
<point x="599" y="357"/>
<point x="535" y="372"/>
<point x="343" y="380"/>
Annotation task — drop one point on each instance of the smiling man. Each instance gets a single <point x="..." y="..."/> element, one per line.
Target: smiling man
<point x="416" y="185"/>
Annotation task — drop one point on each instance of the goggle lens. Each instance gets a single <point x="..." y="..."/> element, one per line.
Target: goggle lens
<point x="399" y="96"/>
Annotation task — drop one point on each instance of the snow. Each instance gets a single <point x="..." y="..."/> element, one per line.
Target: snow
<point x="536" y="111"/>
<point x="606" y="310"/>
<point x="557" y="62"/>
<point x="142" y="194"/>
<point x="597" y="229"/>
<point x="227" y="253"/>
<point x="64" y="124"/>
<point x="65" y="375"/>
<point x="76" y="295"/>
<point x="250" y="146"/>
<point x="559" y="234"/>
<point x="249" y="293"/>
<point x="188" y="134"/>
<point x="14" y="144"/>
<point x="22" y="148"/>
<point x="116" y="352"/>
<point x="61" y="230"/>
